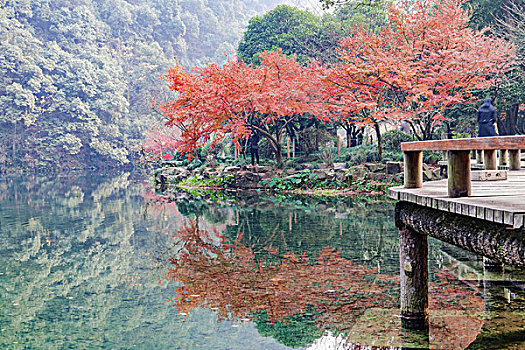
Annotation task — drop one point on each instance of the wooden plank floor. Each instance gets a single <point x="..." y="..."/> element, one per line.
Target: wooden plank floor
<point x="497" y="201"/>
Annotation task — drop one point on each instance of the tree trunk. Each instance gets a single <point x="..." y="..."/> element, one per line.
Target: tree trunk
<point x="347" y="127"/>
<point x="14" y="143"/>
<point x="278" y="148"/>
<point x="508" y="126"/>
<point x="275" y="142"/>
<point x="379" y="145"/>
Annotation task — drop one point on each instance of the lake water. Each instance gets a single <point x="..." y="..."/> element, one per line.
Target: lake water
<point x="103" y="262"/>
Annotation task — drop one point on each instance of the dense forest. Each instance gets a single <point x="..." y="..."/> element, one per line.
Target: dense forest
<point x="78" y="76"/>
<point x="81" y="79"/>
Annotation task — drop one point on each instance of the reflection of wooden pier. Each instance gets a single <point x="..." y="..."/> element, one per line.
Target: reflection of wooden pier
<point x="484" y="217"/>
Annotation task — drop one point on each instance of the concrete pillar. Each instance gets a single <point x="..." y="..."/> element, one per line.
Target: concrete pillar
<point x="413" y="169"/>
<point x="459" y="174"/>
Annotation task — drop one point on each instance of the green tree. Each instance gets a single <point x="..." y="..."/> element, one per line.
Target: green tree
<point x="294" y="31"/>
<point x="506" y="18"/>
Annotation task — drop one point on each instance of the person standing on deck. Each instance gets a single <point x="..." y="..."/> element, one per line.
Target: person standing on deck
<point x="487" y="118"/>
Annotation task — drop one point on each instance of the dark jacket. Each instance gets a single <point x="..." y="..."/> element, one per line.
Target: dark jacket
<point x="487" y="118"/>
<point x="253" y="141"/>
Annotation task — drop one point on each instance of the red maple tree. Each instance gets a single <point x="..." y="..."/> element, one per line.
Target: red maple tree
<point x="425" y="59"/>
<point x="236" y="99"/>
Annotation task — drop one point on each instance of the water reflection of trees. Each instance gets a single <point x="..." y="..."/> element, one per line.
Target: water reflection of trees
<point x="362" y="229"/>
<point x="73" y="262"/>
<point x="232" y="279"/>
<point x="284" y="291"/>
<point x="80" y="256"/>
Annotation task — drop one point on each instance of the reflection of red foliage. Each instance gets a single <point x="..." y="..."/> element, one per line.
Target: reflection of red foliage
<point x="456" y="315"/>
<point x="232" y="280"/>
<point x="228" y="278"/>
<point x="160" y="206"/>
<point x="152" y="197"/>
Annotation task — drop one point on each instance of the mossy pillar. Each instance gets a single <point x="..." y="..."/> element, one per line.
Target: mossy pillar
<point x="503" y="158"/>
<point x="479" y="157"/>
<point x="491" y="159"/>
<point x="514" y="161"/>
<point x="413" y="258"/>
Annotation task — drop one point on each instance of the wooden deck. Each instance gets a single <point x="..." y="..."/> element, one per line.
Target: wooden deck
<point x="496" y="201"/>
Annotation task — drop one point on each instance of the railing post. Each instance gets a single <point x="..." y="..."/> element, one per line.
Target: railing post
<point x="490" y="159"/>
<point x="479" y="157"/>
<point x="503" y="156"/>
<point x="458" y="174"/>
<point x="413" y="169"/>
<point x="515" y="162"/>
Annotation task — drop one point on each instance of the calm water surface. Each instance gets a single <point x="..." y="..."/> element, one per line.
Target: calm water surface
<point x="102" y="262"/>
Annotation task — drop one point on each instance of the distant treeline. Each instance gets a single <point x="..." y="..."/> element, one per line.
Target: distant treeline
<point x="78" y="76"/>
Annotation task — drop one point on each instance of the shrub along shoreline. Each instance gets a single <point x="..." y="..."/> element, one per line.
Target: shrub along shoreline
<point x="336" y="180"/>
<point x="326" y="172"/>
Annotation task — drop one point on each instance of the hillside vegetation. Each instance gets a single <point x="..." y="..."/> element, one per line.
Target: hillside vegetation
<point x="78" y="76"/>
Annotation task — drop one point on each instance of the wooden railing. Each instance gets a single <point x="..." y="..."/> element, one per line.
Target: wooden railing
<point x="459" y="159"/>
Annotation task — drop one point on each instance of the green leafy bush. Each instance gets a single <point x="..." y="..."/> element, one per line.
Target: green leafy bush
<point x="392" y="140"/>
<point x="303" y="179"/>
<point x="363" y="154"/>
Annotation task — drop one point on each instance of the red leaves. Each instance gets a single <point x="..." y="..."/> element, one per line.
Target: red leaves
<point x="424" y="60"/>
<point x="214" y="102"/>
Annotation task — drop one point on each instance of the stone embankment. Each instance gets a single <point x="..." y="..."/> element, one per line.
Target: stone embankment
<point x="257" y="177"/>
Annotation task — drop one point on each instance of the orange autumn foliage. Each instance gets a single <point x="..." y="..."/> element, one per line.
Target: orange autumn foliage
<point x="424" y="60"/>
<point x="233" y="100"/>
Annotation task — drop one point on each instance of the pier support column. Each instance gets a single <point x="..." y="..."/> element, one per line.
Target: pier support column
<point x="459" y="174"/>
<point x="413" y="256"/>
<point x="413" y="169"/>
<point x="490" y="159"/>
<point x="515" y="162"/>
<point x="492" y="271"/>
